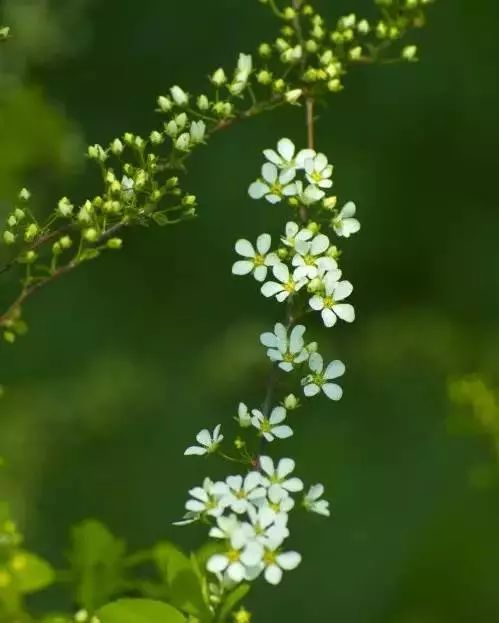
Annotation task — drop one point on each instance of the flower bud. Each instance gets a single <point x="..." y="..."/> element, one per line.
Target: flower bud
<point x="9" y="337"/>
<point x="171" y="182"/>
<point x="363" y="27"/>
<point x="409" y="53"/>
<point x="180" y="97"/>
<point x="330" y="202"/>
<point x="156" y="137"/>
<point x="97" y="152"/>
<point x="164" y="103"/>
<point x="265" y="50"/>
<point x="264" y="77"/>
<point x="56" y="248"/>
<point x="289" y="13"/>
<point x="334" y="85"/>
<point x="12" y="221"/>
<point x="291" y="402"/>
<point x="171" y="129"/>
<point x="279" y="85"/>
<point x="30" y="232"/>
<point x="197" y="131"/>
<point x="282" y="253"/>
<point x="8" y="237"/>
<point x="189" y="200"/>
<point x="114" y="243"/>
<point x="315" y="285"/>
<point x="129" y="138"/>
<point x="183" y="142"/>
<point x="218" y="77"/>
<point x="312" y="347"/>
<point x="24" y="194"/>
<point x="203" y="103"/>
<point x="117" y="147"/>
<point x="90" y="234"/>
<point x="293" y="96"/>
<point x="65" y="242"/>
<point x="65" y="207"/>
<point x="139" y="142"/>
<point x="30" y="257"/>
<point x="355" y="53"/>
<point x="333" y="252"/>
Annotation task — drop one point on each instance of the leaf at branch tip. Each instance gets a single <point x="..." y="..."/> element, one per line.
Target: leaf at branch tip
<point x="139" y="611"/>
<point x="182" y="581"/>
<point x="32" y="573"/>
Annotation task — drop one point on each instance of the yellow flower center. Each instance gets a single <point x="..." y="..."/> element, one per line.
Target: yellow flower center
<point x="288" y="358"/>
<point x="233" y="555"/>
<point x="259" y="260"/>
<point x="316" y="176"/>
<point x="329" y="302"/>
<point x="289" y="286"/>
<point x="269" y="558"/>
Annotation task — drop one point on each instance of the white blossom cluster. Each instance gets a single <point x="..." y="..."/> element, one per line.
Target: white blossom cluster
<point x="248" y="513"/>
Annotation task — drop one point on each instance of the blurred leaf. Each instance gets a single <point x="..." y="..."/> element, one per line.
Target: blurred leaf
<point x="97" y="560"/>
<point x="32" y="572"/>
<point x="184" y="586"/>
<point x="139" y="611"/>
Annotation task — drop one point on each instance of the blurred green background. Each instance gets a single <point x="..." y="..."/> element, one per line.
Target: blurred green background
<point x="133" y="354"/>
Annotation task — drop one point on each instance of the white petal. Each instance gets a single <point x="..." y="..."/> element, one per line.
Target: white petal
<point x="342" y="290"/>
<point x="311" y="390"/>
<point x="288" y="560"/>
<point x="315" y="492"/>
<point x="348" y="210"/>
<point x="281" y="272"/>
<point x="236" y="572"/>
<point x="273" y="199"/>
<point x="217" y="563"/>
<point x="316" y="363"/>
<point x="303" y="155"/>
<point x="257" y="190"/>
<point x="320" y="162"/>
<point x="308" y="165"/>
<point x="195" y="506"/>
<point x="199" y="493"/>
<point x="260" y="273"/>
<point x="252" y="480"/>
<point x="286" y="148"/>
<point x="282" y="432"/>
<point x="269" y="340"/>
<point x="282" y="296"/>
<point x="274" y="355"/>
<point x="267" y="465"/>
<point x="281" y="333"/>
<point x="332" y="391"/>
<point x="269" y="172"/>
<point x="286" y="176"/>
<point x="242" y="267"/>
<point x="334" y="370"/>
<point x="263" y="243"/>
<point x="286" y="366"/>
<point x="293" y="485"/>
<point x="245" y="248"/>
<point x="195" y="450"/>
<point x="350" y="226"/>
<point x="291" y="229"/>
<point x="270" y="288"/>
<point x="296" y="338"/>
<point x="273" y="574"/>
<point x="345" y="311"/>
<point x="235" y="482"/>
<point x="216" y="433"/>
<point x="278" y="415"/>
<point x="316" y="302"/>
<point x="328" y="317"/>
<point x="272" y="156"/>
<point x="285" y="467"/>
<point x="272" y="259"/>
<point x="319" y="244"/>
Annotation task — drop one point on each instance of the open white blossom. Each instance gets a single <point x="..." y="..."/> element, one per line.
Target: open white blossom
<point x="208" y="442"/>
<point x="238" y="493"/>
<point x="288" y="351"/>
<point x="243" y="416"/>
<point x="237" y="561"/>
<point x="275" y="561"/>
<point x="345" y="224"/>
<point x="274" y="184"/>
<point x="286" y="286"/>
<point x="330" y="305"/>
<point x="309" y="259"/>
<point x="279" y="500"/>
<point x="321" y="378"/>
<point x="225" y="527"/>
<point x="312" y="501"/>
<point x="277" y="477"/>
<point x="180" y="97"/>
<point x="286" y="157"/>
<point x="265" y="524"/>
<point x="272" y="428"/>
<point x="294" y="234"/>
<point x="309" y="194"/>
<point x="204" y="500"/>
<point x="257" y="261"/>
<point x="319" y="171"/>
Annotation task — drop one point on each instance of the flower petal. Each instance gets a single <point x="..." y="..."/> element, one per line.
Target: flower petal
<point x="288" y="560"/>
<point x="271" y="288"/>
<point x="342" y="290"/>
<point x="278" y="415"/>
<point x="282" y="432"/>
<point x="334" y="370"/>
<point x="345" y="311"/>
<point x="245" y="248"/>
<point x="328" y="317"/>
<point x="242" y="267"/>
<point x="285" y="467"/>
<point x="263" y="243"/>
<point x="332" y="391"/>
<point x="269" y="172"/>
<point x="258" y="189"/>
<point x="286" y="148"/>
<point x="260" y="273"/>
<point x="316" y="363"/>
<point x="273" y="574"/>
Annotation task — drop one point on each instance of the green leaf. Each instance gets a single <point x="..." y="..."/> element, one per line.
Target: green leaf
<point x="32" y="572"/>
<point x="231" y="601"/>
<point x="97" y="563"/>
<point x="139" y="611"/>
<point x="184" y="586"/>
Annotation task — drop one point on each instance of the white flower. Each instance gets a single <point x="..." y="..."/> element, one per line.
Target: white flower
<point x="313" y="503"/>
<point x="204" y="500"/>
<point x="295" y="234"/>
<point x="277" y="477"/>
<point x="208" y="442"/>
<point x="180" y="97"/>
<point x="273" y="185"/>
<point x="309" y="194"/>
<point x="279" y="500"/>
<point x="198" y="130"/>
<point x="243" y="416"/>
<point x="319" y="171"/>
<point x="258" y="261"/>
<point x="329" y="304"/>
<point x="267" y="525"/>
<point x="225" y="527"/>
<point x="309" y="260"/>
<point x="275" y="561"/>
<point x="287" y="351"/>
<point x="286" y="286"/>
<point x="272" y="427"/>
<point x="285" y="157"/>
<point x="320" y="379"/>
<point x="345" y="224"/>
<point x="238" y="493"/>
<point x="239" y="559"/>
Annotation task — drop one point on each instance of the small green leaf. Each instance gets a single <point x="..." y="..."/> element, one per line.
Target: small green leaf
<point x="184" y="587"/>
<point x="139" y="611"/>
<point x="31" y="572"/>
<point x="231" y="601"/>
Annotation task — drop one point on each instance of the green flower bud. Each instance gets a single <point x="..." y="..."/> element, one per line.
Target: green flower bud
<point x="333" y="251"/>
<point x="313" y="227"/>
<point x="139" y="142"/>
<point x="117" y="147"/>
<point x="56" y="248"/>
<point x="381" y="30"/>
<point x="65" y="242"/>
<point x="239" y="443"/>
<point x="114" y="243"/>
<point x="203" y="103"/>
<point x="218" y="77"/>
<point x="189" y="200"/>
<point x="180" y="97"/>
<point x="310" y="75"/>
<point x="329" y="203"/>
<point x="181" y="120"/>
<point x="30" y="232"/>
<point x="315" y="285"/>
<point x="156" y="137"/>
<point x="8" y="237"/>
<point x="24" y="194"/>
<point x="281" y="44"/>
<point x="9" y="337"/>
<point x="311" y="46"/>
<point x="115" y="207"/>
<point x="312" y="347"/>
<point x="355" y="53"/>
<point x="97" y="201"/>
<point x="291" y="402"/>
<point x="165" y="104"/>
<point x="107" y="206"/>
<point x="293" y="96"/>
<point x="265" y="50"/>
<point x="264" y="77"/>
<point x="183" y="142"/>
<point x="308" y="9"/>
<point x="65" y="207"/>
<point x="289" y="13"/>
<point x="19" y="214"/>
<point x="30" y="257"/>
<point x="171" y="182"/>
<point x="12" y="221"/>
<point x="287" y="32"/>
<point x="115" y="187"/>
<point x="279" y="85"/>
<point x="96" y="152"/>
<point x="171" y="129"/>
<point x="410" y="53"/>
<point x="129" y="138"/>
<point x="110" y="177"/>
<point x="334" y="85"/>
<point x="90" y="234"/>
<point x="363" y="27"/>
